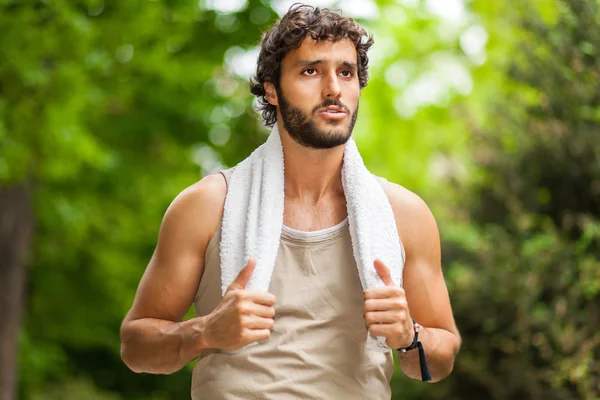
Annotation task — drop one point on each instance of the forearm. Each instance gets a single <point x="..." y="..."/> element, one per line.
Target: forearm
<point x="161" y="347"/>
<point x="441" y="347"/>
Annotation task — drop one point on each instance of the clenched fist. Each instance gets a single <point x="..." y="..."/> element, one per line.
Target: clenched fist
<point x="386" y="311"/>
<point x="242" y="316"/>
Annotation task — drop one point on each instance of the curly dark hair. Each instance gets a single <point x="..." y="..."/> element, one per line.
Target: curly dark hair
<point x="288" y="33"/>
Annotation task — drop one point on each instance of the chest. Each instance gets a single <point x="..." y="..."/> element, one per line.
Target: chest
<point x="307" y="217"/>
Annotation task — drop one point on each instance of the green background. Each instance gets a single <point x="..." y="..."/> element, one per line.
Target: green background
<point x="489" y="110"/>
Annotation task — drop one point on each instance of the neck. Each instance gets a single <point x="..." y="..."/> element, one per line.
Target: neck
<point x="311" y="174"/>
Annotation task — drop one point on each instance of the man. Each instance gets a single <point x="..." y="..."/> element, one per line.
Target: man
<point x="309" y="330"/>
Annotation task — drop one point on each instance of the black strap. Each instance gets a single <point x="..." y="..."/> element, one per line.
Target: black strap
<point x="425" y="375"/>
<point x="416" y="344"/>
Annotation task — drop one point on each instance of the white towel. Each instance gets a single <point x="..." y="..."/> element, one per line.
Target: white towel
<point x="253" y="217"/>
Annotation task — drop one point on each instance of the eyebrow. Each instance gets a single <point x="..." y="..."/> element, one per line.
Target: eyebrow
<point x="312" y="63"/>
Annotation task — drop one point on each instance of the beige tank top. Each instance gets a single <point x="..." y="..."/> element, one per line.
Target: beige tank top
<point x="317" y="346"/>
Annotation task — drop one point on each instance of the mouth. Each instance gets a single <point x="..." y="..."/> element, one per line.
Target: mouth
<point x="332" y="112"/>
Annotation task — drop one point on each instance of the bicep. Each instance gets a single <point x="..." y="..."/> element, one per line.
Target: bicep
<point x="423" y="280"/>
<point x="426" y="291"/>
<point x="167" y="287"/>
<point x="169" y="284"/>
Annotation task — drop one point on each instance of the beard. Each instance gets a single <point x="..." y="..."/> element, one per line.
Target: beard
<point x="303" y="129"/>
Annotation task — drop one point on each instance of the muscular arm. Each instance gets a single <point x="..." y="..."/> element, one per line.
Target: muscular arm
<point x="154" y="338"/>
<point x="423" y="281"/>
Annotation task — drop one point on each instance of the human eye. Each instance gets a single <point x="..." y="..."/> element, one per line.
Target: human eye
<point x="347" y="73"/>
<point x="309" y="71"/>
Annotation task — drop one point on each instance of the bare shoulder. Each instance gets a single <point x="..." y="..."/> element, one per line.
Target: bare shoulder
<point x="171" y="279"/>
<point x="190" y="222"/>
<point x="415" y="221"/>
<point x="200" y="204"/>
<point x="404" y="199"/>
<point x="210" y="190"/>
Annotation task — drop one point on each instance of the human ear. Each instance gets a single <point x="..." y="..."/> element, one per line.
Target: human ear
<point x="271" y="93"/>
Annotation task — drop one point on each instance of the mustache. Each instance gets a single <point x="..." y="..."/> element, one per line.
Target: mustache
<point x="329" y="102"/>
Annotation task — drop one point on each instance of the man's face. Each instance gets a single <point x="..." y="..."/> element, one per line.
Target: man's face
<point x="319" y="93"/>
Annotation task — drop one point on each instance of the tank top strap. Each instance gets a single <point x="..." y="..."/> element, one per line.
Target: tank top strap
<point x="227" y="175"/>
<point x="383" y="183"/>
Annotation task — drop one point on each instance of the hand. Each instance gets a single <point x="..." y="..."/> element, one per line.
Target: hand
<point x="386" y="311"/>
<point x="242" y="316"/>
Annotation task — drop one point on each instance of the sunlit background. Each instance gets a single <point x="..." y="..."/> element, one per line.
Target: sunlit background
<point x="489" y="110"/>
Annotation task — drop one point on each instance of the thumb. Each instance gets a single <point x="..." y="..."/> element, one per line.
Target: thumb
<point x="243" y="277"/>
<point x="383" y="272"/>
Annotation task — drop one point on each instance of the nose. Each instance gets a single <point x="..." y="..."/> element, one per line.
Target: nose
<point x="331" y="86"/>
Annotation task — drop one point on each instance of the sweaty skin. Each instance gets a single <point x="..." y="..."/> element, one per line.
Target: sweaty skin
<point x="155" y="338"/>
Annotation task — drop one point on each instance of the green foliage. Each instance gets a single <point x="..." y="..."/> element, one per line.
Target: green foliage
<point x="408" y="130"/>
<point x="109" y="109"/>
<point x="527" y="289"/>
<point x="112" y="108"/>
<point x="74" y="390"/>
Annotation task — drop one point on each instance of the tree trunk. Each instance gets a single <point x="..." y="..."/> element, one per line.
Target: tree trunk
<point x="16" y="232"/>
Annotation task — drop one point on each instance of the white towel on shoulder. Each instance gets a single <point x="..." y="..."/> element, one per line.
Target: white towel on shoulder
<point x="253" y="218"/>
